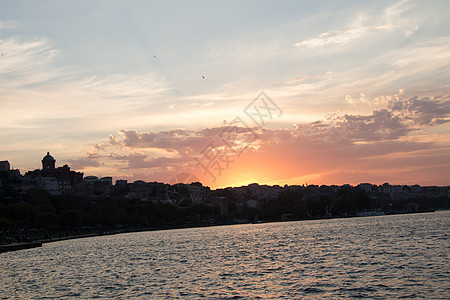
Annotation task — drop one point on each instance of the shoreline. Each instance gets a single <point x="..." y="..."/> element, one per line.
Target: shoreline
<point x="19" y="246"/>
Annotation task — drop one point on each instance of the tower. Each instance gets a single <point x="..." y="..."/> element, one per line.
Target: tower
<point x="48" y="162"/>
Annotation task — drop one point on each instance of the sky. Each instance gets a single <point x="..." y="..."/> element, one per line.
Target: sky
<point x="229" y="93"/>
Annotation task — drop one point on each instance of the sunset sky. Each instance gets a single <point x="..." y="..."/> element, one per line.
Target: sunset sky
<point x="229" y="92"/>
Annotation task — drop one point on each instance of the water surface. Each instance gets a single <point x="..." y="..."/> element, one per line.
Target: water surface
<point x="385" y="257"/>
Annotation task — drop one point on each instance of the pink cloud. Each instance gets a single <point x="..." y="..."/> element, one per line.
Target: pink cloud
<point x="353" y="148"/>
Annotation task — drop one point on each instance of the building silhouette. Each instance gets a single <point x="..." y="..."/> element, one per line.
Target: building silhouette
<point x="55" y="180"/>
<point x="48" y="162"/>
<point x="5" y="166"/>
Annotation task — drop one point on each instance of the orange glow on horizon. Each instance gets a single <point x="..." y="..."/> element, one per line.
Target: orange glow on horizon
<point x="247" y="170"/>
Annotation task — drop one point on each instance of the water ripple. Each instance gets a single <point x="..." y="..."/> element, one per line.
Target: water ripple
<point x="377" y="257"/>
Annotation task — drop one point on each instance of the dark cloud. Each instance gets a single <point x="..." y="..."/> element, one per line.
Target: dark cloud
<point x="424" y="111"/>
<point x="380" y="125"/>
<point x="84" y="162"/>
<point x="397" y="120"/>
<point x="142" y="161"/>
<point x="391" y="123"/>
<point x="186" y="141"/>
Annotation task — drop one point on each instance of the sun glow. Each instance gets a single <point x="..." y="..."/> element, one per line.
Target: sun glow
<point x="245" y="171"/>
<point x="236" y="181"/>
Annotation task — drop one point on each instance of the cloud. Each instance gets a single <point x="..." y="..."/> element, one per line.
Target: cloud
<point x="85" y="162"/>
<point x="424" y="111"/>
<point x="392" y="19"/>
<point x="185" y="141"/>
<point x="36" y="94"/>
<point x="396" y="120"/>
<point x="122" y="86"/>
<point x="167" y="152"/>
<point x="334" y="37"/>
<point x="142" y="161"/>
<point x="400" y="117"/>
<point x="32" y="77"/>
<point x="342" y="144"/>
<point x="380" y="125"/>
<point x="24" y="63"/>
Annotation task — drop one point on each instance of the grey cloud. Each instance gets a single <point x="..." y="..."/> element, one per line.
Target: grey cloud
<point x="184" y="141"/>
<point x="81" y="163"/>
<point x="397" y="120"/>
<point x="391" y="123"/>
<point x="424" y="111"/>
<point x="380" y="125"/>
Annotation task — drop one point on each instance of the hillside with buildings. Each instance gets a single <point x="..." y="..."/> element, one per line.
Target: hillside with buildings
<point x="60" y="199"/>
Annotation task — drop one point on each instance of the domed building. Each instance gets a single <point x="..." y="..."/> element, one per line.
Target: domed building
<point x="48" y="162"/>
<point x="55" y="180"/>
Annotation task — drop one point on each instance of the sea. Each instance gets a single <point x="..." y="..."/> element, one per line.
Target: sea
<point x="383" y="257"/>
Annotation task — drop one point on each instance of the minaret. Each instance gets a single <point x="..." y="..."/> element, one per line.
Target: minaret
<point x="48" y="162"/>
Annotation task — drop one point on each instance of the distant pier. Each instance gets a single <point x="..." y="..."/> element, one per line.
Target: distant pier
<point x="19" y="246"/>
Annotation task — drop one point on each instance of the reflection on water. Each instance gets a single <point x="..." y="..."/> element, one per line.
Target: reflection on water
<point x="404" y="256"/>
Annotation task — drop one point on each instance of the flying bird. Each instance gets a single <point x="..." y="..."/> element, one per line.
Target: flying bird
<point x="203" y="77"/>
